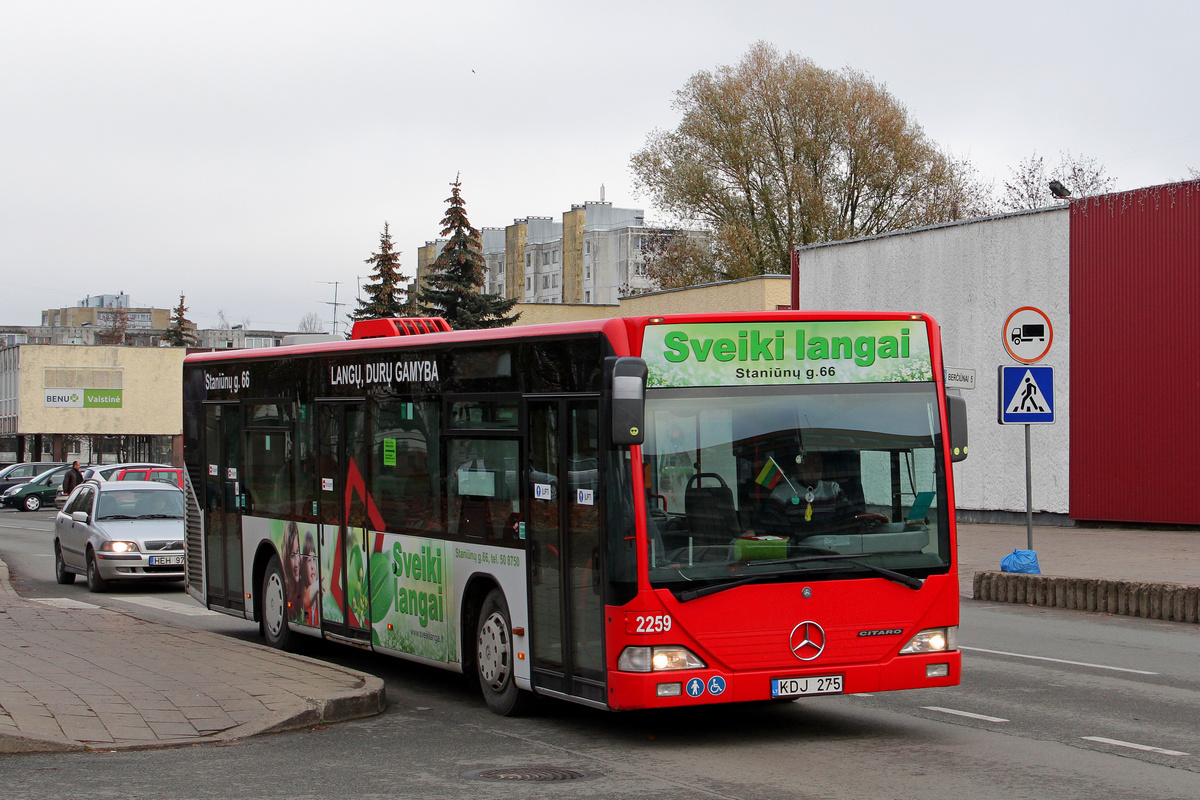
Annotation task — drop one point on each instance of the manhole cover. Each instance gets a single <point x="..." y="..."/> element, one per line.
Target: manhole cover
<point x="527" y="774"/>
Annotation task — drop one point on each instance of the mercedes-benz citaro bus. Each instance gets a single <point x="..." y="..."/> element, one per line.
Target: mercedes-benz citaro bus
<point x="624" y="513"/>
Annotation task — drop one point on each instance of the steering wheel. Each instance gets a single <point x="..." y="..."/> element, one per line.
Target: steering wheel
<point x="871" y="521"/>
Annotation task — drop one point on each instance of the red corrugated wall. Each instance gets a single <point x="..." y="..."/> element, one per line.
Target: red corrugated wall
<point x="1135" y="356"/>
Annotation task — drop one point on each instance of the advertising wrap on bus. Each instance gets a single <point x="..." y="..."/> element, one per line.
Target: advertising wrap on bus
<point x="724" y="354"/>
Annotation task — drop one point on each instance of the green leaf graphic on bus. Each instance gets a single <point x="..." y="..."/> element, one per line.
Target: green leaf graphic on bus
<point x="383" y="586"/>
<point x="356" y="590"/>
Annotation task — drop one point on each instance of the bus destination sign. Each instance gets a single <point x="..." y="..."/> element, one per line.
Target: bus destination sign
<point x="803" y="352"/>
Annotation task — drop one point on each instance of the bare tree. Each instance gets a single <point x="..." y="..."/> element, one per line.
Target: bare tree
<point x="673" y="258"/>
<point x="311" y="323"/>
<point x="116" y="326"/>
<point x="1028" y="185"/>
<point x="776" y="152"/>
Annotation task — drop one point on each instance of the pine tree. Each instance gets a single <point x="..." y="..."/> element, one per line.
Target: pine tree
<point x="180" y="333"/>
<point x="385" y="285"/>
<point x="453" y="288"/>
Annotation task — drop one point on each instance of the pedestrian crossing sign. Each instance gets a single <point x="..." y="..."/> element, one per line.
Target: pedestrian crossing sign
<point x="1026" y="395"/>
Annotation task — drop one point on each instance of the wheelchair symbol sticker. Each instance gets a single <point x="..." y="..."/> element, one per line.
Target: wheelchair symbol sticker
<point x="716" y="685"/>
<point x="695" y="687"/>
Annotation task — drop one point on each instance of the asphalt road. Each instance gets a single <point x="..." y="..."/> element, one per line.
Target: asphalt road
<point x="1053" y="704"/>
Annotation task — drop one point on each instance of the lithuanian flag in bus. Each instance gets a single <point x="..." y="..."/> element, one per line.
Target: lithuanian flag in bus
<point x="770" y="475"/>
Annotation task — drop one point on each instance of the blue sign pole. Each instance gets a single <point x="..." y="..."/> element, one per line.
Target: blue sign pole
<point x="1026" y="398"/>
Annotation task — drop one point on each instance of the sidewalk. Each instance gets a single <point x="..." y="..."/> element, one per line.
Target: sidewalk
<point x="1142" y="573"/>
<point x="101" y="679"/>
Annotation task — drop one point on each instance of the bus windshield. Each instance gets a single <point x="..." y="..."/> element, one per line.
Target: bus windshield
<point x="758" y="483"/>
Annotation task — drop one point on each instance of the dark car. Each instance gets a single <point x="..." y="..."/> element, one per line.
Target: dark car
<point x="15" y="474"/>
<point x="34" y="494"/>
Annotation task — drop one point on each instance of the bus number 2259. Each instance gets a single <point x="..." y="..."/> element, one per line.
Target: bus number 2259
<point x="636" y="622"/>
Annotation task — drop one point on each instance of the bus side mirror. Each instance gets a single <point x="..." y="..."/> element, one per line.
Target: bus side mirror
<point x="956" y="421"/>
<point x="628" y="399"/>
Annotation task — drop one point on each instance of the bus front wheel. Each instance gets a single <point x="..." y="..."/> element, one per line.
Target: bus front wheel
<point x="495" y="657"/>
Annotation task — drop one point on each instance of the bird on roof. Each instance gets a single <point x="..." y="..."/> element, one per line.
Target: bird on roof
<point x="1058" y="190"/>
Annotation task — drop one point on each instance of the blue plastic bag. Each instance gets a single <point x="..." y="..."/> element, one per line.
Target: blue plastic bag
<point x="1022" y="561"/>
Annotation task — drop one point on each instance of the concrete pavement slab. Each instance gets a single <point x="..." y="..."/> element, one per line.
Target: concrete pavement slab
<point x="102" y="679"/>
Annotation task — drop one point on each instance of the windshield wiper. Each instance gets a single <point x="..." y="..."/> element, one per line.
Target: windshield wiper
<point x="849" y="558"/>
<point x="160" y="516"/>
<point x="704" y="591"/>
<point x="118" y="516"/>
<point x="898" y="577"/>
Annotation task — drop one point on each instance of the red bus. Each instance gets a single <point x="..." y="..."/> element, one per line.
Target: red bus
<point x="627" y="513"/>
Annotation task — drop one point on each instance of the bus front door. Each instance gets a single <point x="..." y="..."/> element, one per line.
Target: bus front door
<point x="566" y="602"/>
<point x="223" y="498"/>
<point x="343" y="539"/>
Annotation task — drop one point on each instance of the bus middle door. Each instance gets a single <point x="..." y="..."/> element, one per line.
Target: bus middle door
<point x="223" y="499"/>
<point x="566" y="602"/>
<point x="342" y="512"/>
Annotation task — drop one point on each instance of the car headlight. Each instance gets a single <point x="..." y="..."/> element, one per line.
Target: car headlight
<point x="933" y="640"/>
<point x="119" y="547"/>
<point x="11" y="490"/>
<point x="655" y="659"/>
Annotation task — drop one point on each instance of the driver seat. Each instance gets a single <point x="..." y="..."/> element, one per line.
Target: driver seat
<point x="710" y="514"/>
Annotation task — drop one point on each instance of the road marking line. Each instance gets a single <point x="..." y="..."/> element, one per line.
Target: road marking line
<point x="956" y="712"/>
<point x="167" y="605"/>
<point x="1134" y="745"/>
<point x="1058" y="661"/>
<point x="63" y="602"/>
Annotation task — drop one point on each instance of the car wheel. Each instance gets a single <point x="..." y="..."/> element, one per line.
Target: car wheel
<point x="32" y="503"/>
<point x="61" y="574"/>
<point x="495" y="658"/>
<point x="274" y="624"/>
<point x="95" y="582"/>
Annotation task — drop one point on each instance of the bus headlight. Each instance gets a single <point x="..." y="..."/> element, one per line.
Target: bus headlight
<point x="656" y="659"/>
<point x="932" y="640"/>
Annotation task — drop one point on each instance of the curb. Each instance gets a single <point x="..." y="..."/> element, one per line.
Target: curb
<point x="1171" y="602"/>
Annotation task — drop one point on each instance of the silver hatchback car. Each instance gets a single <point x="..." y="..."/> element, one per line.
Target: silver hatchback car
<point x="115" y="531"/>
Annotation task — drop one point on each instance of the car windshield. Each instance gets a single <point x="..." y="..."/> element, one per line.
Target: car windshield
<point x="140" y="504"/>
<point x="749" y="483"/>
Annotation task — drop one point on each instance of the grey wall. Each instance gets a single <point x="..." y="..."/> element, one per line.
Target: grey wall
<point x="970" y="276"/>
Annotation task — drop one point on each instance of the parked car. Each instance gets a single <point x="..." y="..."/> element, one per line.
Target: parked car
<point x="119" y="530"/>
<point x="108" y="472"/>
<point x="171" y="475"/>
<point x="15" y="474"/>
<point x="34" y="494"/>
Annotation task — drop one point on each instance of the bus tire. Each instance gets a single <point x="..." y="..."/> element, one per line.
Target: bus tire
<point x="274" y="623"/>
<point x="495" y="658"/>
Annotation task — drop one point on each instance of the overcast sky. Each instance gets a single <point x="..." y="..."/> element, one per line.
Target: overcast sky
<point x="247" y="153"/>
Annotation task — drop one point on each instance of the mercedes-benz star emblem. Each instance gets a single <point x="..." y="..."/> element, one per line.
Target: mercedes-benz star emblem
<point x="807" y="641"/>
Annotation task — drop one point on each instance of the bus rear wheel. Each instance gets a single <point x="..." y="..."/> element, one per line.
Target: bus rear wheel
<point x="274" y="623"/>
<point x="495" y="658"/>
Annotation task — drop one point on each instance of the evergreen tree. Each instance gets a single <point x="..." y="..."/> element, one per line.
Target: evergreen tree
<point x="454" y="286"/>
<point x="179" y="334"/>
<point x="385" y="284"/>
